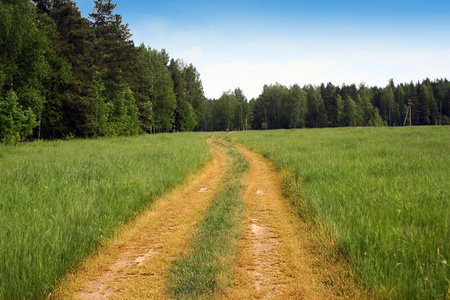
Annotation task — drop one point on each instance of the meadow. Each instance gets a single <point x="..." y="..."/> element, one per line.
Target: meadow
<point x="60" y="199"/>
<point x="381" y="195"/>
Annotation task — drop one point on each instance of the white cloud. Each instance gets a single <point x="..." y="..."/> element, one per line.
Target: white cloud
<point x="251" y="77"/>
<point x="231" y="59"/>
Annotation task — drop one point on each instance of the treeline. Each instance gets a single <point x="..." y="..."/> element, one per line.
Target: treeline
<point x="62" y="75"/>
<point x="425" y="103"/>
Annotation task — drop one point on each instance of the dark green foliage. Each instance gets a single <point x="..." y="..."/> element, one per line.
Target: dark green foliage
<point x="329" y="106"/>
<point x="159" y="89"/>
<point x="80" y="77"/>
<point x="185" y="118"/>
<point x="194" y="93"/>
<point x="75" y="43"/>
<point x="16" y="123"/>
<point x="75" y="76"/>
<point x="23" y="50"/>
<point x="231" y="111"/>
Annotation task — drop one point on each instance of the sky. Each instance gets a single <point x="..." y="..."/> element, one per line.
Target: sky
<point x="249" y="43"/>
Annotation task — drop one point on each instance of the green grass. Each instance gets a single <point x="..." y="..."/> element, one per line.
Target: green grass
<point x="60" y="199"/>
<point x="382" y="193"/>
<point x="207" y="269"/>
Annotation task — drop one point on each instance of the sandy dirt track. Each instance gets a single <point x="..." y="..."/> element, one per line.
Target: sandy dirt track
<point x="277" y="259"/>
<point x="135" y="264"/>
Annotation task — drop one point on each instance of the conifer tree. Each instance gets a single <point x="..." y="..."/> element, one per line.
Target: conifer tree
<point x="194" y="92"/>
<point x="75" y="44"/>
<point x="185" y="119"/>
<point x="116" y="61"/>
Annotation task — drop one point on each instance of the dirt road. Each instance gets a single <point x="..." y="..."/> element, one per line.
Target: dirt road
<point x="135" y="264"/>
<point x="276" y="259"/>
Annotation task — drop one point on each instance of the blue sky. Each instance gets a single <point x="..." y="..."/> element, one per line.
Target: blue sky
<point x="248" y="44"/>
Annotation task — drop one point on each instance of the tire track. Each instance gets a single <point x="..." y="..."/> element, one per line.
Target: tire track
<point x="276" y="258"/>
<point x="136" y="263"/>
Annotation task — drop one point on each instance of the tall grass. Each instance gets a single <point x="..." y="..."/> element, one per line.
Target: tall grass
<point x="208" y="267"/>
<point x="383" y="193"/>
<point x="60" y="199"/>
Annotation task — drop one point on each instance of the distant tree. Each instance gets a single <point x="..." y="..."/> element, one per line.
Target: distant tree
<point x="340" y="113"/>
<point x="24" y="54"/>
<point x="185" y="119"/>
<point x="194" y="93"/>
<point x="273" y="101"/>
<point x="115" y="54"/>
<point x="75" y="44"/>
<point x="428" y="105"/>
<point x="116" y="62"/>
<point x="317" y="115"/>
<point x="399" y="95"/>
<point x="160" y="88"/>
<point x="208" y="120"/>
<point x="16" y="123"/>
<point x="441" y="88"/>
<point x="296" y="107"/>
<point x="412" y="95"/>
<point x="388" y="104"/>
<point x="329" y="94"/>
<point x="350" y="111"/>
<point x="375" y="119"/>
<point x="44" y="5"/>
<point x="226" y="109"/>
<point x="242" y="113"/>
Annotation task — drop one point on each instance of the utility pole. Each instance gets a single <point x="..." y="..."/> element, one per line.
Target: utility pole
<point x="408" y="111"/>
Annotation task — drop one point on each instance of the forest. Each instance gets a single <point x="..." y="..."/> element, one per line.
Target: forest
<point x="65" y="76"/>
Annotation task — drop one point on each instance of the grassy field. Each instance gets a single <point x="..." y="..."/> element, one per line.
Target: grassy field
<point x="382" y="195"/>
<point x="60" y="199"/>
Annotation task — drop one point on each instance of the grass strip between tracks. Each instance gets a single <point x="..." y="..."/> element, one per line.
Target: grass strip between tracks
<point x="207" y="268"/>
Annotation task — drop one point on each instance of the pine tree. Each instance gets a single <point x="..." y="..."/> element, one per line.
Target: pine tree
<point x="116" y="63"/>
<point x="184" y="113"/>
<point x="194" y="92"/>
<point x="115" y="55"/>
<point x="75" y="45"/>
